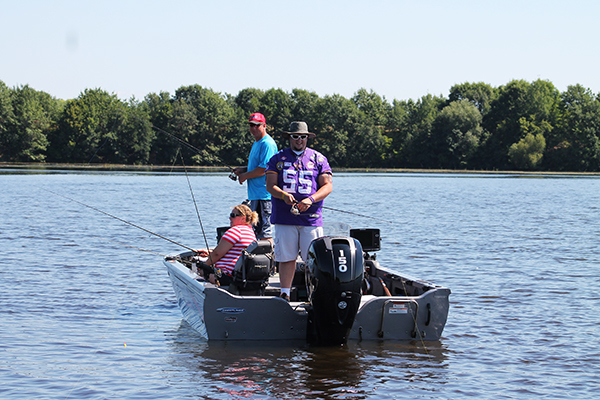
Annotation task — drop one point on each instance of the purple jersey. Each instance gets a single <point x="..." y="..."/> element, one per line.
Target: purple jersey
<point x="298" y="176"/>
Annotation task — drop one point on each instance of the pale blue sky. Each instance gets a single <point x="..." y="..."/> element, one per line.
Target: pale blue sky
<point x="400" y="49"/>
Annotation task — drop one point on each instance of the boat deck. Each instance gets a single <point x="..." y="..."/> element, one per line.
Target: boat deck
<point x="274" y="286"/>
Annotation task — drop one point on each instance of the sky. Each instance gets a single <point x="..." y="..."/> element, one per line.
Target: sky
<point x="399" y="49"/>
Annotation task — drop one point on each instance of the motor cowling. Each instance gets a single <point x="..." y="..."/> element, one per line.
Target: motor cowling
<point x="334" y="274"/>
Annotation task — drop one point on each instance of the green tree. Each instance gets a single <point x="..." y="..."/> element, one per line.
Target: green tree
<point x="398" y="131"/>
<point x="479" y="94"/>
<point x="575" y="144"/>
<point x="97" y="127"/>
<point x="477" y="126"/>
<point x="184" y="125"/>
<point x="35" y="114"/>
<point x="249" y="100"/>
<point x="336" y="119"/>
<point x="86" y="126"/>
<point x="367" y="147"/>
<point x="276" y="105"/>
<point x="455" y="134"/>
<point x="204" y="118"/>
<point x="527" y="153"/>
<point x="6" y="120"/>
<point x="537" y="102"/>
<point x="367" y="141"/>
<point x="375" y="109"/>
<point x="131" y="137"/>
<point x="303" y="105"/>
<point x="419" y="123"/>
<point x="159" y="108"/>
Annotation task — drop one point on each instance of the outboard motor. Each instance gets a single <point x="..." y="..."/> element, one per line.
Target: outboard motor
<point x="334" y="275"/>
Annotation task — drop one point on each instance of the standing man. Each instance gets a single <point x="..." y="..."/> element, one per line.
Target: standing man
<point x="263" y="148"/>
<point x="298" y="178"/>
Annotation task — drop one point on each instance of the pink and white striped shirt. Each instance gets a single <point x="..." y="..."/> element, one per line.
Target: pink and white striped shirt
<point x="241" y="236"/>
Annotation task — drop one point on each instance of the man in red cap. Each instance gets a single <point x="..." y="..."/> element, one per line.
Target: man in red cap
<point x="263" y="148"/>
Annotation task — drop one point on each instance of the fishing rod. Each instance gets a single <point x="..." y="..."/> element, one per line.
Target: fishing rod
<point x="198" y="214"/>
<point x="295" y="211"/>
<point x="187" y="144"/>
<point x="357" y="214"/>
<point x="132" y="247"/>
<point x="232" y="175"/>
<point x="177" y="257"/>
<point x="118" y="219"/>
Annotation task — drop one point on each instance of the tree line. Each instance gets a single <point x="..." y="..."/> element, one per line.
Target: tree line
<point x="518" y="126"/>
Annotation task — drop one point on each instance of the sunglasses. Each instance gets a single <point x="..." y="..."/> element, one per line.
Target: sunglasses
<point x="296" y="137"/>
<point x="233" y="215"/>
<point x="254" y="125"/>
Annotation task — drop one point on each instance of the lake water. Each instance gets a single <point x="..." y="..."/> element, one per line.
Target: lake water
<point x="87" y="310"/>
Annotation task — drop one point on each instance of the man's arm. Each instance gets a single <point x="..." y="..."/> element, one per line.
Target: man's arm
<point x="325" y="182"/>
<point x="255" y="173"/>
<point x="325" y="186"/>
<point x="276" y="191"/>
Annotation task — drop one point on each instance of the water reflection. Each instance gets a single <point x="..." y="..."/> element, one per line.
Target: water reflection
<point x="296" y="370"/>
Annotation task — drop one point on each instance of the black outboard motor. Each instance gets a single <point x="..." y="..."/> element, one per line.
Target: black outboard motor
<point x="334" y="275"/>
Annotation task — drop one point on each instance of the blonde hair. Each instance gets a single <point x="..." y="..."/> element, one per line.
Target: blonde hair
<point x="250" y="216"/>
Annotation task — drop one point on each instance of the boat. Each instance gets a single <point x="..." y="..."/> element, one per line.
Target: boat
<point x="339" y="294"/>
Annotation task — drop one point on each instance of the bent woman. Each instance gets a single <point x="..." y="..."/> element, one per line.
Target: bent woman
<point x="237" y="238"/>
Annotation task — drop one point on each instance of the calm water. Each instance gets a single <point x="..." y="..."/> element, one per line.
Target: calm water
<point x="87" y="311"/>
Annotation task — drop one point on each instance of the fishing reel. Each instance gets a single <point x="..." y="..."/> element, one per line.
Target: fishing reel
<point x="233" y="176"/>
<point x="294" y="210"/>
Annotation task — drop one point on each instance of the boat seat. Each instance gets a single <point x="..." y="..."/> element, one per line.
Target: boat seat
<point x="252" y="269"/>
<point x="371" y="266"/>
<point x="371" y="269"/>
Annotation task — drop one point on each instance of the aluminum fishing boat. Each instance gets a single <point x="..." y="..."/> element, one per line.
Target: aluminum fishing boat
<point x="341" y="293"/>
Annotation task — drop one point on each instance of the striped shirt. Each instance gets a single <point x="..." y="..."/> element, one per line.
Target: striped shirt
<point x="241" y="236"/>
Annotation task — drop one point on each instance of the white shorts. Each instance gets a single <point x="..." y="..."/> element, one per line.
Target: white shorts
<point x="291" y="238"/>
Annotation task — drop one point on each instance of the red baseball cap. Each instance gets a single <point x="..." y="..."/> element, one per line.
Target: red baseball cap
<point x="257" y="119"/>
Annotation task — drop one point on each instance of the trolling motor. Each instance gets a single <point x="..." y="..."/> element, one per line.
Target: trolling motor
<point x="334" y="275"/>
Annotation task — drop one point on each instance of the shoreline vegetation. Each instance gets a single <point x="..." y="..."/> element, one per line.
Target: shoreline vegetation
<point x="198" y="168"/>
<point x="520" y="126"/>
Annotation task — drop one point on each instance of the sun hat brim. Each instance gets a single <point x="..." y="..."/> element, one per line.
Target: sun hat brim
<point x="299" y="128"/>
